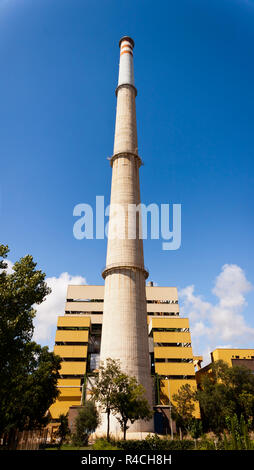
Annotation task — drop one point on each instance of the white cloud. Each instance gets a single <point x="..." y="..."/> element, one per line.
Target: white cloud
<point x="199" y="329"/>
<point x="52" y="307"/>
<point x="193" y="304"/>
<point x="221" y="321"/>
<point x="230" y="286"/>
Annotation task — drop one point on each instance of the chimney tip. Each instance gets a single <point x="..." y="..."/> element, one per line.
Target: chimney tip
<point x="127" y="38"/>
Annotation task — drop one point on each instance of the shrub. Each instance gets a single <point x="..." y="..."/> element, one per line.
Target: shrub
<point x="185" y="444"/>
<point x="206" y="444"/>
<point x="103" y="444"/>
<point x="156" y="443"/>
<point x="85" y="423"/>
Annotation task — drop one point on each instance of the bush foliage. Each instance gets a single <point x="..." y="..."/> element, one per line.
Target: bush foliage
<point x="156" y="443"/>
<point x="103" y="444"/>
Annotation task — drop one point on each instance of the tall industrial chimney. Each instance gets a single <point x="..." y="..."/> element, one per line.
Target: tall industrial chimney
<point x="124" y="330"/>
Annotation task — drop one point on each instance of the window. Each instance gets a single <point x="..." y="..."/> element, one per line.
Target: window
<point x="70" y="343"/>
<point x="73" y="328"/>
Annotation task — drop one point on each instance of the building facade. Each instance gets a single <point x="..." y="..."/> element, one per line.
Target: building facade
<point x="78" y="342"/>
<point x="232" y="357"/>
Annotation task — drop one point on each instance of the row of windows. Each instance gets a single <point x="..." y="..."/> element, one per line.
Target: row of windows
<point x="178" y="330"/>
<point x="163" y="314"/>
<point x="99" y="312"/>
<point x="85" y="300"/>
<point x="176" y="377"/>
<point x="78" y="312"/>
<point x="73" y="359"/>
<point x="72" y="376"/>
<point x="238" y="357"/>
<point x="73" y="328"/>
<point x="159" y="359"/>
<point x="173" y="345"/>
<point x="148" y="301"/>
<point x="162" y="301"/>
<point x="156" y="345"/>
<point x="70" y="343"/>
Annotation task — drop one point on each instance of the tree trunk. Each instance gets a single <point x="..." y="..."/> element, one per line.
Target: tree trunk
<point x="108" y="414"/>
<point x="124" y="431"/>
<point x="60" y="443"/>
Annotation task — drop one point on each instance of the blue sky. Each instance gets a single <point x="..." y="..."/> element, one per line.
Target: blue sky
<point x="194" y="71"/>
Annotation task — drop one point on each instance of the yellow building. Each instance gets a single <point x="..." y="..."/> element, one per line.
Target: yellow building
<point x="71" y="344"/>
<point x="232" y="357"/>
<point x="78" y="338"/>
<point x="172" y="358"/>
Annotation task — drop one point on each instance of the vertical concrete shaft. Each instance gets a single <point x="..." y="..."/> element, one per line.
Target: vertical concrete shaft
<point x="124" y="330"/>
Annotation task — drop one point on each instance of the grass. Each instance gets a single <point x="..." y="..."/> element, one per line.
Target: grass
<point x="69" y="447"/>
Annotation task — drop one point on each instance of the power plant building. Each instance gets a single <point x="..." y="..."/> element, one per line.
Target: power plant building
<point x="78" y="342"/>
<point x="125" y="319"/>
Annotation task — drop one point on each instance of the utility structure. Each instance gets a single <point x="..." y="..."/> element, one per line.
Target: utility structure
<point x="125" y="329"/>
<point x="122" y="317"/>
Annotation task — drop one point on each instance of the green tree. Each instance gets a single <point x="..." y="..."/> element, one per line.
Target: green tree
<point x="105" y="387"/>
<point x="28" y="372"/>
<point x="225" y="392"/>
<point x="129" y="402"/>
<point x="246" y="403"/>
<point x="184" y="406"/>
<point x="196" y="430"/>
<point x="63" y="429"/>
<point x="214" y="404"/>
<point x="85" y="424"/>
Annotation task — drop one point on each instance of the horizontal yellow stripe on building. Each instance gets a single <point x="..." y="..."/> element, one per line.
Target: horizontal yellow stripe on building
<point x="174" y="385"/>
<point x="162" y="308"/>
<point x="75" y="368"/>
<point x="171" y="337"/>
<point x="84" y="306"/>
<point x="171" y="387"/>
<point x="68" y="382"/>
<point x="62" y="406"/>
<point x="74" y="321"/>
<point x="173" y="352"/>
<point x="69" y="392"/>
<point x="72" y="336"/>
<point x="162" y="293"/>
<point x="71" y="351"/>
<point x="170" y="322"/>
<point x="174" y="368"/>
<point x="85" y="292"/>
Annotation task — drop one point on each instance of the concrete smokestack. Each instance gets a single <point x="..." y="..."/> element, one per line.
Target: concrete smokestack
<point x="124" y="330"/>
<point x="126" y="71"/>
